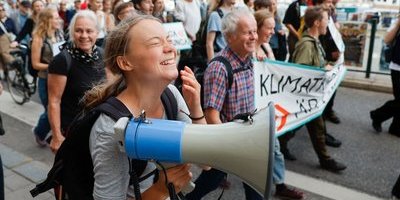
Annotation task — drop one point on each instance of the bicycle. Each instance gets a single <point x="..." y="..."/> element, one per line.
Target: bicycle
<point x="20" y="86"/>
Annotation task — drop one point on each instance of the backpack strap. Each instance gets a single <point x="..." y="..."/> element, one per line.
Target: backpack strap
<point x="230" y="72"/>
<point x="170" y="104"/>
<point x="68" y="59"/>
<point x="220" y="13"/>
<point x="228" y="67"/>
<point x="114" y="108"/>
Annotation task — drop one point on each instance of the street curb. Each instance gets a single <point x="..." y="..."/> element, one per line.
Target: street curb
<point x="364" y="86"/>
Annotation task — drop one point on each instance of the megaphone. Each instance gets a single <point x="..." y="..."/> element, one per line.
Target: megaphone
<point x="242" y="148"/>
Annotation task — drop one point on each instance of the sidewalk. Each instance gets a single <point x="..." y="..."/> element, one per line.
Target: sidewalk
<point x="376" y="82"/>
<point x="22" y="172"/>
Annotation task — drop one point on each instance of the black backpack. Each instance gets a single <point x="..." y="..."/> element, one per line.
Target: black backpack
<point x="73" y="167"/>
<point x="199" y="46"/>
<point x="196" y="58"/>
<point x="230" y="72"/>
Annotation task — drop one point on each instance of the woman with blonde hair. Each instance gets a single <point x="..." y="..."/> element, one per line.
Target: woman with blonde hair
<point x="46" y="33"/>
<point x="143" y="60"/>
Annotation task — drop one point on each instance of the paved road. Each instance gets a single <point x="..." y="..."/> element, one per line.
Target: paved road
<point x="372" y="159"/>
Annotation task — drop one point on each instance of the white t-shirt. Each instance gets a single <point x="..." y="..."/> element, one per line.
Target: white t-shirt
<point x="189" y="14"/>
<point x="394" y="66"/>
<point x="101" y="17"/>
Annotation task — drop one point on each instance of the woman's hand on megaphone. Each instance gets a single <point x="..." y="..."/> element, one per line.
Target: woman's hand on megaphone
<point x="179" y="176"/>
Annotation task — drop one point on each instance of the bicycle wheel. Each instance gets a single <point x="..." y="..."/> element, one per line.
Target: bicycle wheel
<point x="15" y="84"/>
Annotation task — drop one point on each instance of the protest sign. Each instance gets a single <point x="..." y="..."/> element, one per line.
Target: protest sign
<point x="337" y="37"/>
<point x="300" y="93"/>
<point x="177" y="34"/>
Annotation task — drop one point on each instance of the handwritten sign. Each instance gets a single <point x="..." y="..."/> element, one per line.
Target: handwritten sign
<point x="177" y="34"/>
<point x="300" y="93"/>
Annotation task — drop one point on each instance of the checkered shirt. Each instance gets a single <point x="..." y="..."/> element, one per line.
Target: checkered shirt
<point x="240" y="97"/>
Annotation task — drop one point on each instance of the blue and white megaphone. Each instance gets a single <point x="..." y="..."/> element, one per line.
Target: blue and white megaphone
<point x="243" y="148"/>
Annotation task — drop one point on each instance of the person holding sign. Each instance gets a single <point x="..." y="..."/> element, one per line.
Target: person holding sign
<point x="332" y="55"/>
<point x="310" y="52"/>
<point x="265" y="31"/>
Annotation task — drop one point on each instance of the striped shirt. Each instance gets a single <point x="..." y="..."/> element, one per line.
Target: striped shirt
<point x="240" y="97"/>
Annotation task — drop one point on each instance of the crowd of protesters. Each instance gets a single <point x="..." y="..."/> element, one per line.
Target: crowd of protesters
<point x="130" y="33"/>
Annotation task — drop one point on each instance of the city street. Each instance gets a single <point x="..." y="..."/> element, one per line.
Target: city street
<point x="372" y="160"/>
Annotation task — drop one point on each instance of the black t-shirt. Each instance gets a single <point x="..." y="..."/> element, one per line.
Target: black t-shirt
<point x="27" y="29"/>
<point x="396" y="50"/>
<point x="329" y="45"/>
<point x="80" y="78"/>
<point x="292" y="15"/>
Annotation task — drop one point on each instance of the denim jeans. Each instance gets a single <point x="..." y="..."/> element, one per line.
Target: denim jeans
<point x="43" y="127"/>
<point x="278" y="176"/>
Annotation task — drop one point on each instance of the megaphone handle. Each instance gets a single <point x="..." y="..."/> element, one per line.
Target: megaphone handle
<point x="189" y="188"/>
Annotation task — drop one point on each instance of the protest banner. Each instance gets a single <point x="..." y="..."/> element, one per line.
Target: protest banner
<point x="177" y="34"/>
<point x="300" y="93"/>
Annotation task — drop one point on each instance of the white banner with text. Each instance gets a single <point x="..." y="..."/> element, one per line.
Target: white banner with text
<point x="300" y="93"/>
